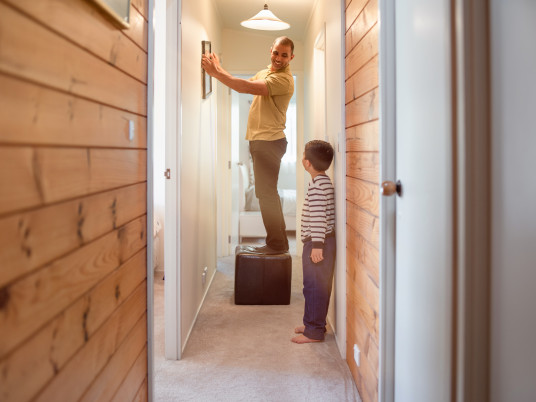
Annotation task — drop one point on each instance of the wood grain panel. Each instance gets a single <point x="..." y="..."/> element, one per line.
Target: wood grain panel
<point x="366" y="20"/>
<point x="363" y="109"/>
<point x="367" y="381"/>
<point x="363" y="81"/>
<point x="48" y="351"/>
<point x="363" y="194"/>
<point x="29" y="303"/>
<point x="82" y="23"/>
<point x="360" y="309"/>
<point x="38" y="176"/>
<point x="40" y="56"/>
<point x="34" y="238"/>
<point x="353" y="10"/>
<point x="31" y="114"/>
<point x="363" y="52"/>
<point x="138" y="29"/>
<point x="135" y="378"/>
<point x="364" y="137"/>
<point x="363" y="166"/>
<point x="99" y="349"/>
<point x="106" y="383"/>
<point x="358" y="247"/>
<point x="359" y="277"/>
<point x="142" y="7"/>
<point x="367" y="225"/>
<point x="361" y="337"/>
<point x="142" y="394"/>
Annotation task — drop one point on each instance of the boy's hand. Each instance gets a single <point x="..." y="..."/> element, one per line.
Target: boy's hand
<point x="316" y="255"/>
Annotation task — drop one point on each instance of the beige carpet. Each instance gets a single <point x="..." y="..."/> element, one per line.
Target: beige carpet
<point x="244" y="353"/>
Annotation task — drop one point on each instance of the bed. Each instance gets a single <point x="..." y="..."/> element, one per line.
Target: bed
<point x="250" y="220"/>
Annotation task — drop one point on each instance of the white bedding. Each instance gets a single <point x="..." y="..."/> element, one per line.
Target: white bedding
<point x="250" y="220"/>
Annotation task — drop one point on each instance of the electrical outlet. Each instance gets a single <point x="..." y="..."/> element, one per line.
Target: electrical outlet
<point x="357" y="354"/>
<point x="204" y="276"/>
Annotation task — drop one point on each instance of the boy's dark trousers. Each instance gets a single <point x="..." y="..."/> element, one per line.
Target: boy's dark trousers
<point x="317" y="283"/>
<point x="266" y="157"/>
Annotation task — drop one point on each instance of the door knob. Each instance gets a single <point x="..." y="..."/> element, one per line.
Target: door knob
<point x="388" y="188"/>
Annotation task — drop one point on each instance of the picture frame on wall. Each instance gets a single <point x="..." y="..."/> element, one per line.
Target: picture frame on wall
<point x="117" y="10"/>
<point x="206" y="47"/>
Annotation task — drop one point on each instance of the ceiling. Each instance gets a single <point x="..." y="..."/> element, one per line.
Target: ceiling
<point x="295" y="12"/>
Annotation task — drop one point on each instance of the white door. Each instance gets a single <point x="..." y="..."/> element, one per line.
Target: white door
<point x="423" y="245"/>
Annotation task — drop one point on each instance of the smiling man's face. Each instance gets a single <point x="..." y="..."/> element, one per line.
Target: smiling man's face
<point x="281" y="55"/>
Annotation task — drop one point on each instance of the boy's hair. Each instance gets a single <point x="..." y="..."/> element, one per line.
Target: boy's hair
<point x="285" y="41"/>
<point x="319" y="153"/>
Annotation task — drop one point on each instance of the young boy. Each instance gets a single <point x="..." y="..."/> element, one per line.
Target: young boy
<point x="318" y="236"/>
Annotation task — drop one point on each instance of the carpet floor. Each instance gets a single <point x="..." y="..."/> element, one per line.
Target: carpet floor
<point x="244" y="353"/>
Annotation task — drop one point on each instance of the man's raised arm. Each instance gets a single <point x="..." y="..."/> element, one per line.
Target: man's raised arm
<point x="211" y="65"/>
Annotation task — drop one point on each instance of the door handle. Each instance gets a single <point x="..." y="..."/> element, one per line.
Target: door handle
<point x="389" y="188"/>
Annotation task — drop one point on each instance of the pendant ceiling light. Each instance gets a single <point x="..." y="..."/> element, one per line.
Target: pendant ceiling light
<point x="266" y="21"/>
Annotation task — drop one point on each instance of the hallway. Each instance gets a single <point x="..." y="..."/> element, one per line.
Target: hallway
<point x="244" y="353"/>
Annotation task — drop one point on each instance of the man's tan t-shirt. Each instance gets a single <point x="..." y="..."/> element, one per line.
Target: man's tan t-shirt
<point x="268" y="114"/>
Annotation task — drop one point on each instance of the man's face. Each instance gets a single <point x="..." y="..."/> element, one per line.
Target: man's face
<point x="280" y="56"/>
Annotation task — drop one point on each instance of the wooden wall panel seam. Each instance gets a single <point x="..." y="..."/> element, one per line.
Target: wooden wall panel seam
<point x="41" y="176"/>
<point x="100" y="348"/>
<point x="66" y="93"/>
<point x="141" y="394"/>
<point x="358" y="42"/>
<point x="32" y="301"/>
<point x="364" y="94"/>
<point x="52" y="345"/>
<point x="103" y="388"/>
<point x="124" y="387"/>
<point x="4" y="215"/>
<point x="38" y="56"/>
<point x="19" y="8"/>
<point x="30" y="246"/>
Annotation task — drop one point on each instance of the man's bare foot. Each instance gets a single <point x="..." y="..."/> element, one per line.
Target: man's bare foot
<point x="299" y="330"/>
<point x="303" y="339"/>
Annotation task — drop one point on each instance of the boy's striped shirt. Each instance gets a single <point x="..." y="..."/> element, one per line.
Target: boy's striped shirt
<point x="318" y="214"/>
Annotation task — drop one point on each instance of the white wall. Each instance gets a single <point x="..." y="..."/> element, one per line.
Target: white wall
<point x="328" y="12"/>
<point x="249" y="52"/>
<point x="198" y="159"/>
<point x="513" y="312"/>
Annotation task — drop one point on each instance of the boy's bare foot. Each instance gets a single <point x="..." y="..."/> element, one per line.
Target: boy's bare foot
<point x="303" y="339"/>
<point x="299" y="330"/>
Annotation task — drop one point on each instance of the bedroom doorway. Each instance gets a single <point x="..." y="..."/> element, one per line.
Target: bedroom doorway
<point x="247" y="216"/>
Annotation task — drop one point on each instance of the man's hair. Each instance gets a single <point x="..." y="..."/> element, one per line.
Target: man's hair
<point x="319" y="153"/>
<point x="285" y="41"/>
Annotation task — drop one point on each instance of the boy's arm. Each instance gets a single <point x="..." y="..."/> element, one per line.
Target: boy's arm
<point x="211" y="64"/>
<point x="318" y="215"/>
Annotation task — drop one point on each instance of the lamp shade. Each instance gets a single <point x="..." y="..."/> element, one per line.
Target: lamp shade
<point x="265" y="20"/>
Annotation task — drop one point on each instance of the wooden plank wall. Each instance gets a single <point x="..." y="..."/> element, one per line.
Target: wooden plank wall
<point x="73" y="319"/>
<point x="362" y="188"/>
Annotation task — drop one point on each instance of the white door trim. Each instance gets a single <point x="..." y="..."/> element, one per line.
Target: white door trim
<point x="387" y="57"/>
<point x="150" y="203"/>
<point x="172" y="235"/>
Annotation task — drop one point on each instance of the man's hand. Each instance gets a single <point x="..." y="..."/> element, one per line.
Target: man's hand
<point x="316" y="255"/>
<point x="210" y="63"/>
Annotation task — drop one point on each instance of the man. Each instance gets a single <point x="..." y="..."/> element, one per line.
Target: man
<point x="273" y="87"/>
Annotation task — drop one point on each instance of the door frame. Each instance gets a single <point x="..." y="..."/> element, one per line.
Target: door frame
<point x="172" y="227"/>
<point x="150" y="202"/>
<point x="387" y="73"/>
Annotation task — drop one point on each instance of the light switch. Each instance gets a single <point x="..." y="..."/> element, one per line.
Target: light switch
<point x="131" y="129"/>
